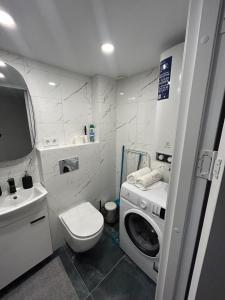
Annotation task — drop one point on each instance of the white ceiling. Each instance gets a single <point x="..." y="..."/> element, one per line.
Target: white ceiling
<point x="69" y="33"/>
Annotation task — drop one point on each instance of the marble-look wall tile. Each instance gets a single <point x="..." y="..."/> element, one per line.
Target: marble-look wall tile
<point x="17" y="168"/>
<point x="69" y="189"/>
<point x="135" y="117"/>
<point x="61" y="111"/>
<point x="104" y="109"/>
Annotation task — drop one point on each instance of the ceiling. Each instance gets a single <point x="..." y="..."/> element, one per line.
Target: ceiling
<point x="69" y="33"/>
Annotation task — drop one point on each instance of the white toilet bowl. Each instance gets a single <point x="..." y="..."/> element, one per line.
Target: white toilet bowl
<point x="82" y="226"/>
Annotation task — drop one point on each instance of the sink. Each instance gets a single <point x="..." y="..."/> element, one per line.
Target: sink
<point x="21" y="200"/>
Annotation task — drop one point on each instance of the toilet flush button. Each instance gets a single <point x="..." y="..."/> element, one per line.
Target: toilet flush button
<point x="161" y="157"/>
<point x="143" y="204"/>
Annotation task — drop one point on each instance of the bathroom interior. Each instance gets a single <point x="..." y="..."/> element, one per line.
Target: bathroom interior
<point x="90" y="93"/>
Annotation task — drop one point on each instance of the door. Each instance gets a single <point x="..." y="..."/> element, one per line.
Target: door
<point x="209" y="271"/>
<point x="143" y="234"/>
<point x="199" y="114"/>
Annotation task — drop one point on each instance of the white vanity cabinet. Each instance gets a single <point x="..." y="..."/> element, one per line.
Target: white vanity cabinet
<point x="24" y="242"/>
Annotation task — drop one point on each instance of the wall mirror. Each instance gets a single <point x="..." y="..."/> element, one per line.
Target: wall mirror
<point x="17" y="122"/>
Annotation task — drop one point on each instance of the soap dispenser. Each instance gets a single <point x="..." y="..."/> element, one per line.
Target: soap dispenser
<point x="27" y="181"/>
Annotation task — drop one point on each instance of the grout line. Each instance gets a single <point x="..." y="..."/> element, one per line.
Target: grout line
<point x="107" y="274"/>
<point x="89" y="295"/>
<point x="76" y="270"/>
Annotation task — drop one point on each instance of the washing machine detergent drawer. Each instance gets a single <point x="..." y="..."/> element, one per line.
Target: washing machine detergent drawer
<point x="127" y="194"/>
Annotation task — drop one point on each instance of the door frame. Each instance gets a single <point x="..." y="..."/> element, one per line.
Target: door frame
<point x="186" y="191"/>
<point x="207" y="229"/>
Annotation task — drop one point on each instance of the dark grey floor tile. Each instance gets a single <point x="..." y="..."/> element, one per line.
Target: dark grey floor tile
<point x="113" y="231"/>
<point x="125" y="282"/>
<point x="72" y="273"/>
<point x="89" y="298"/>
<point x="48" y="282"/>
<point x="111" y="228"/>
<point x="94" y="264"/>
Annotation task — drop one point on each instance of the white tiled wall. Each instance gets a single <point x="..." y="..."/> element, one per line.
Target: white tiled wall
<point x="104" y="95"/>
<point x="69" y="189"/>
<point x="95" y="179"/>
<point x="61" y="111"/>
<point x="135" y="115"/>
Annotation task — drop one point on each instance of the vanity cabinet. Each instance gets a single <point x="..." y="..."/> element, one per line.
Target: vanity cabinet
<point x="24" y="243"/>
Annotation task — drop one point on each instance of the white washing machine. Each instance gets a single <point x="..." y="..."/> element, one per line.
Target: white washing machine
<point x="142" y="218"/>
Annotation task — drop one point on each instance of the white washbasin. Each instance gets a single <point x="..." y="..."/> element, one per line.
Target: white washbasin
<point x="11" y="203"/>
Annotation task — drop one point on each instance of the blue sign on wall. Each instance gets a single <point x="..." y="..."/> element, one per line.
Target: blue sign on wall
<point x="164" y="78"/>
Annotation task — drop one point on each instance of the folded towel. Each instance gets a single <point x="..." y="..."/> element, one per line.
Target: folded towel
<point x="145" y="181"/>
<point x="131" y="178"/>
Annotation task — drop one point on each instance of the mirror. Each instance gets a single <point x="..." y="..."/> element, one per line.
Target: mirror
<point x="17" y="123"/>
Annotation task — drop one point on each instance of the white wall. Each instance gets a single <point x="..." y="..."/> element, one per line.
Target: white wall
<point x="62" y="112"/>
<point x="104" y="110"/>
<point x="136" y="117"/>
<point x="95" y="179"/>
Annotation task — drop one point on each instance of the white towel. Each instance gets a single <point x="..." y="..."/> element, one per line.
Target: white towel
<point x="145" y="181"/>
<point x="131" y="178"/>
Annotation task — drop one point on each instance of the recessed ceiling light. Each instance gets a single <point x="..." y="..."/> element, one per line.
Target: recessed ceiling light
<point x="52" y="83"/>
<point x="121" y="76"/>
<point x="6" y="20"/>
<point x="2" y="64"/>
<point x="131" y="98"/>
<point x="107" y="48"/>
<point x="2" y="75"/>
<point x="122" y="93"/>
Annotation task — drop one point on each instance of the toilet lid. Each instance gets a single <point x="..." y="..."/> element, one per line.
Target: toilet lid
<point x="83" y="220"/>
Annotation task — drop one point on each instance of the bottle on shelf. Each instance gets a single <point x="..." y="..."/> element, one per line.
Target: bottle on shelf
<point x="92" y="133"/>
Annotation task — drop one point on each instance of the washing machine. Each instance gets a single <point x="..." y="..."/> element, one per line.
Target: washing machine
<point x="142" y="218"/>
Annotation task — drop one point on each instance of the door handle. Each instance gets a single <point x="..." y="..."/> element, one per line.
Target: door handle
<point x="36" y="220"/>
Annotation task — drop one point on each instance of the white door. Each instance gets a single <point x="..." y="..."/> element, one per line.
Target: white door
<point x="199" y="114"/>
<point x="209" y="271"/>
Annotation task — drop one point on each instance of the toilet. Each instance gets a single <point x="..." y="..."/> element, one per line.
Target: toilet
<point x="82" y="226"/>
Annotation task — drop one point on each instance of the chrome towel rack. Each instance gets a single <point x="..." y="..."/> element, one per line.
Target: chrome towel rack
<point x="131" y="162"/>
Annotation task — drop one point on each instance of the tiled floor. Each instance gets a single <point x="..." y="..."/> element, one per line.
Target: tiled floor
<point x="105" y="272"/>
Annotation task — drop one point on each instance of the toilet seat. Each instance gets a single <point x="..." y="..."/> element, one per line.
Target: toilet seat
<point x="83" y="221"/>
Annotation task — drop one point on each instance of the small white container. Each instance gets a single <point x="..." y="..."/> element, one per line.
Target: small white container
<point x="110" y="212"/>
<point x="79" y="139"/>
<point x="85" y="139"/>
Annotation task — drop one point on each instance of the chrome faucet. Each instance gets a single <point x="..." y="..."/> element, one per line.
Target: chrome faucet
<point x="12" y="186"/>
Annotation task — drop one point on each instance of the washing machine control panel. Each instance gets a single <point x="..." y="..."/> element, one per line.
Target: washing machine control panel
<point x="143" y="204"/>
<point x="158" y="211"/>
<point x="139" y="199"/>
<point x="131" y="197"/>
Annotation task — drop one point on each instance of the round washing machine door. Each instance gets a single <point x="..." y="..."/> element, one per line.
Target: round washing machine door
<point x="142" y="233"/>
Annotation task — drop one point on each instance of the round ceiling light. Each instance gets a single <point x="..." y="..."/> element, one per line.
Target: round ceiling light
<point x="6" y="20"/>
<point x="107" y="48"/>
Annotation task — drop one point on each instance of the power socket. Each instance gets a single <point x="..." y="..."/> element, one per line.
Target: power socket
<point x="50" y="141"/>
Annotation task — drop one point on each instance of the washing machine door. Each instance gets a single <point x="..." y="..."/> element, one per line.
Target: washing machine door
<point x="142" y="234"/>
